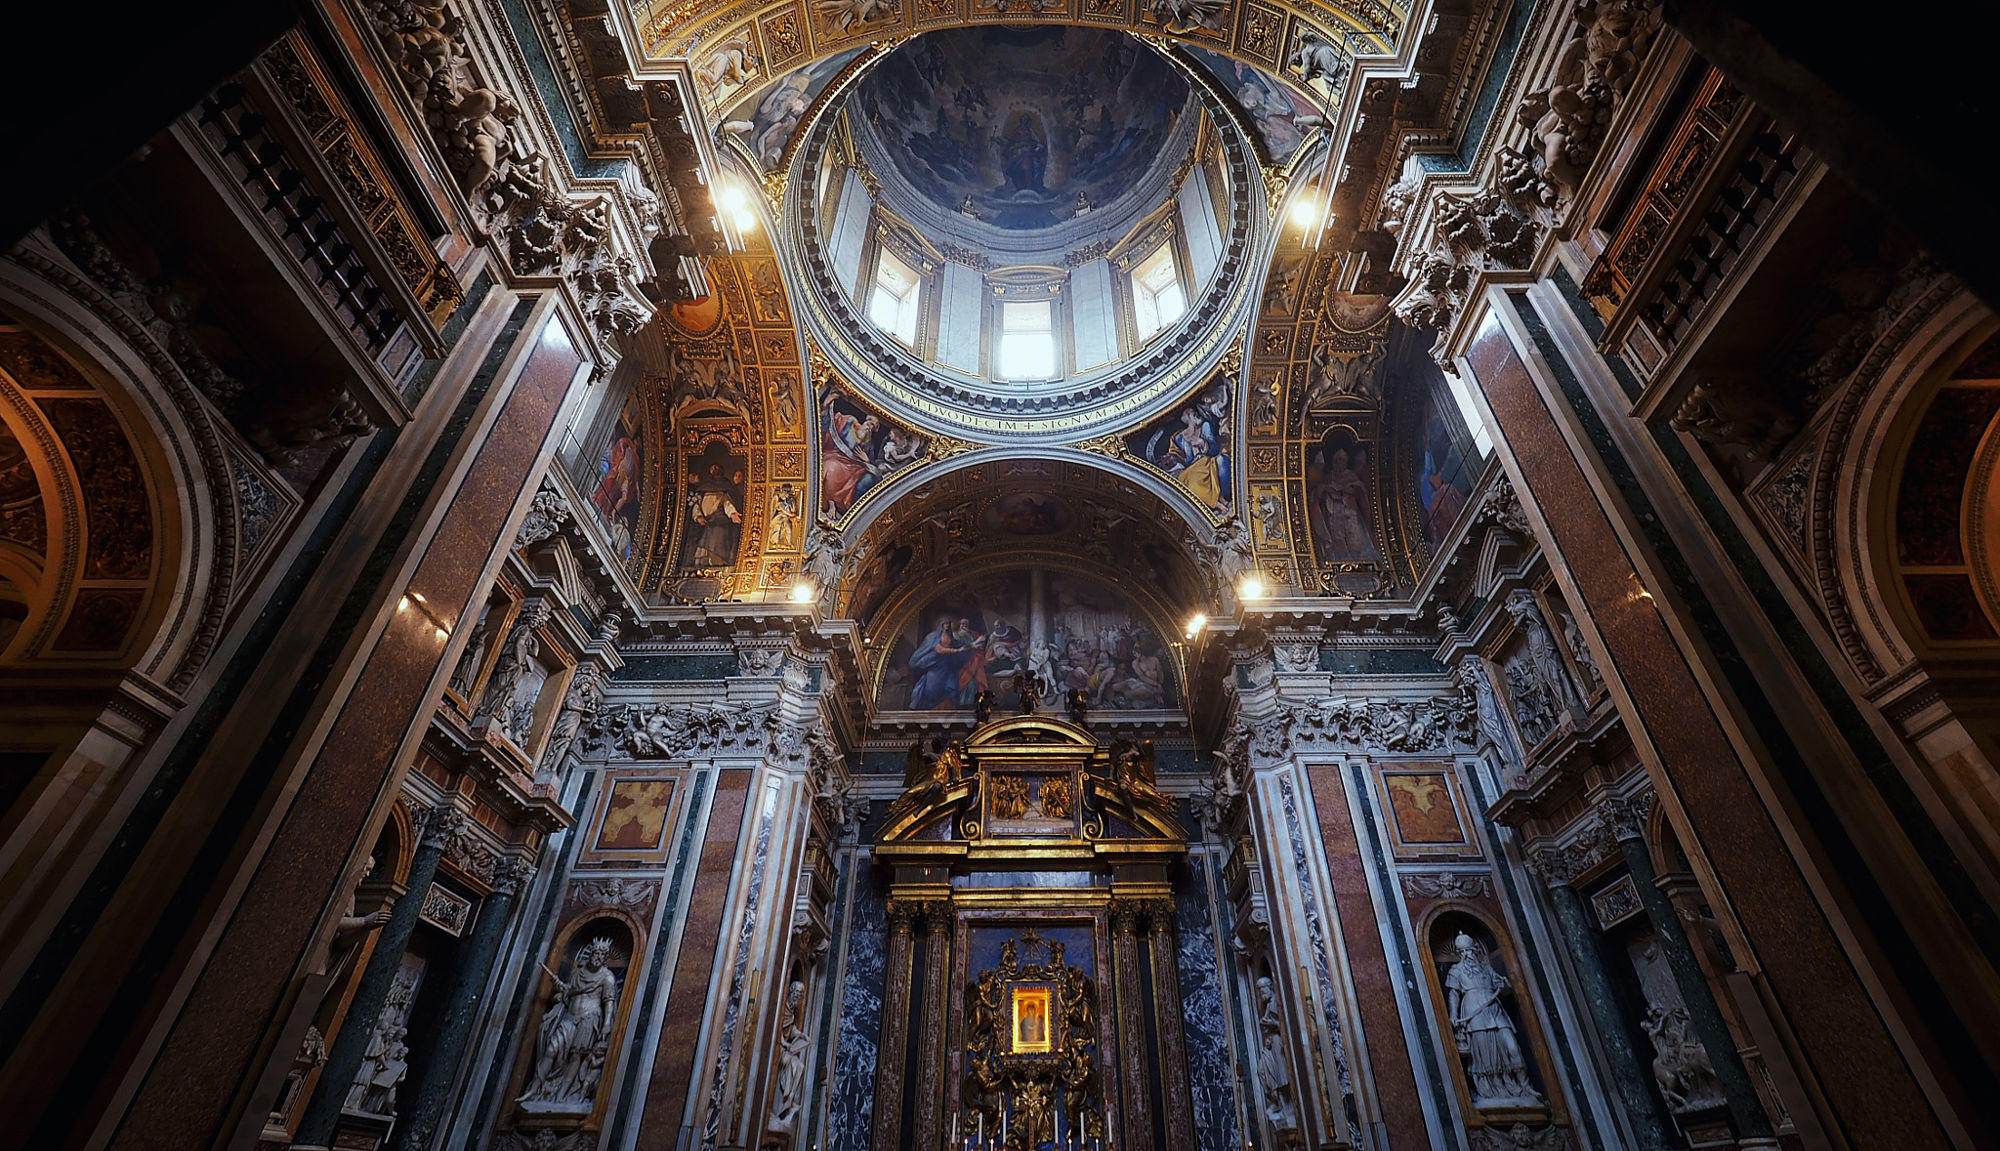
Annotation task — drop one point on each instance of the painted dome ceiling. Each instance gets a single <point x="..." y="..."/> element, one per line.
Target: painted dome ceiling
<point x="1022" y="127"/>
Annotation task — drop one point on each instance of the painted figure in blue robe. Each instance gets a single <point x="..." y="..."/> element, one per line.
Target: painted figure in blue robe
<point x="937" y="662"/>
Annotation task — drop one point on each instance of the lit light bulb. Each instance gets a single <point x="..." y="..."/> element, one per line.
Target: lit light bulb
<point x="1305" y="212"/>
<point x="731" y="198"/>
<point x="1195" y="624"/>
<point x="803" y="592"/>
<point x="1252" y="587"/>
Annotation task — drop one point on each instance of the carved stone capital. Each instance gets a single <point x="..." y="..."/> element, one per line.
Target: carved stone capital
<point x="511" y="873"/>
<point x="1624" y="817"/>
<point x="442" y="824"/>
<point x="1126" y="915"/>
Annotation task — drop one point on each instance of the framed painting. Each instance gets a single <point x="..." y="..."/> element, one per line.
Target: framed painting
<point x="632" y="823"/>
<point x="1033" y="1030"/>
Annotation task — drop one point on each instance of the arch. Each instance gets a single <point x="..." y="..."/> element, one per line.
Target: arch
<point x="743" y="51"/>
<point x="1863" y="470"/>
<point x="890" y="494"/>
<point x="120" y="627"/>
<point x="170" y="440"/>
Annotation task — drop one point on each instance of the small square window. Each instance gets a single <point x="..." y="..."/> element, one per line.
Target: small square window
<point x="1027" y="342"/>
<point x="892" y="302"/>
<point x="1157" y="298"/>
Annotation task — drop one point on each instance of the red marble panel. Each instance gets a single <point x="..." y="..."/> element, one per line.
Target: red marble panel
<point x="687" y="998"/>
<point x="213" y="1048"/>
<point x="1853" y="1053"/>
<point x="1368" y="964"/>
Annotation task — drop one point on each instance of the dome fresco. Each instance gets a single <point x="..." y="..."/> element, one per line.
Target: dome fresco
<point x="1023" y="127"/>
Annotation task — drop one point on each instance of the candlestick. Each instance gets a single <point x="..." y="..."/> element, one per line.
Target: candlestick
<point x="982" y="1128"/>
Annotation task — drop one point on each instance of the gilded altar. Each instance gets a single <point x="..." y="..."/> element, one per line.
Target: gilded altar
<point x="1030" y="999"/>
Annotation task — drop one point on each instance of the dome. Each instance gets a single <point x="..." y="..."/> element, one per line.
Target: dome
<point x="1025" y="232"/>
<point x="1022" y="129"/>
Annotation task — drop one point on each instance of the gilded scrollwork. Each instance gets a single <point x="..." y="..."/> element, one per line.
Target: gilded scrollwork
<point x="1030" y="1079"/>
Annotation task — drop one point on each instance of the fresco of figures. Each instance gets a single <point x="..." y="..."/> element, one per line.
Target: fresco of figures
<point x="614" y="492"/>
<point x="1069" y="629"/>
<point x="858" y="449"/>
<point x="1078" y="117"/>
<point x="1448" y="464"/>
<point x="1280" y="113"/>
<point x="767" y="120"/>
<point x="1191" y="444"/>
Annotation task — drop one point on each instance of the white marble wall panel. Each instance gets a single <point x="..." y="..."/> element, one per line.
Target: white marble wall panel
<point x="850" y="230"/>
<point x="959" y="317"/>
<point x="1204" y="231"/>
<point x="1093" y="314"/>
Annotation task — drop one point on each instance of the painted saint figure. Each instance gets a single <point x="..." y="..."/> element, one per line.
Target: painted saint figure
<point x="1342" y="525"/>
<point x="939" y="658"/>
<point x="715" y="519"/>
<point x="849" y="457"/>
<point x="1026" y="157"/>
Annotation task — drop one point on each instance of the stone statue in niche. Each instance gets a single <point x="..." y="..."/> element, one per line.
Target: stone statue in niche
<point x="311" y="1054"/>
<point x="1472" y="678"/>
<point x="1579" y="651"/>
<point x="792" y="1045"/>
<point x="580" y="705"/>
<point x="519" y="665"/>
<point x="575" y="1034"/>
<point x="1274" y="1075"/>
<point x="354" y="930"/>
<point x="467" y="672"/>
<point x="1542" y="654"/>
<point x="1484" y="1032"/>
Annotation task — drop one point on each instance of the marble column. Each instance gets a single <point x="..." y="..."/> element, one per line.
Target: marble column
<point x="1132" y="1053"/>
<point x="426" y="1105"/>
<point x="896" y="991"/>
<point x="439" y="827"/>
<point x="1745" y="1109"/>
<point x="929" y="1084"/>
<point x="1167" y="1021"/>
<point x="1635" y="1085"/>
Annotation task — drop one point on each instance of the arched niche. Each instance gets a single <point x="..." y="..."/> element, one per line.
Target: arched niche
<point x="573" y="1043"/>
<point x="1500" y="1069"/>
<point x="985" y="504"/>
<point x="1864" y="490"/>
<point x="80" y="542"/>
